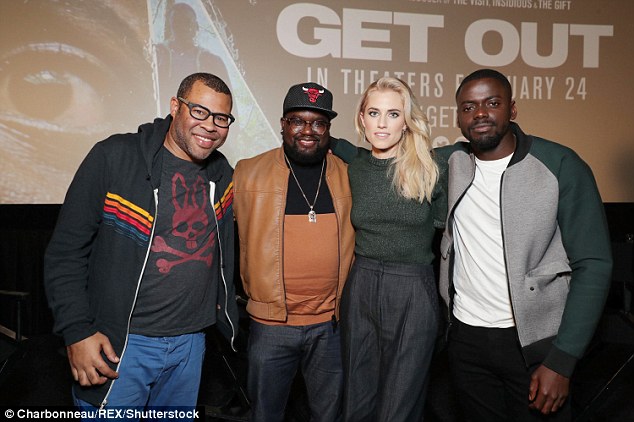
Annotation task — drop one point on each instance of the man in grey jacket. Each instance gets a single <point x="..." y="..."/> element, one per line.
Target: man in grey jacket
<point x="525" y="261"/>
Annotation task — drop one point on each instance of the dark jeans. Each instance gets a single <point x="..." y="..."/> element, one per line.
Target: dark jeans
<point x="389" y="320"/>
<point x="490" y="376"/>
<point x="276" y="352"/>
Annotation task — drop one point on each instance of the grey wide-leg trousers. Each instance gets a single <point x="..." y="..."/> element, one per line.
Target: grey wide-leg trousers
<point x="389" y="322"/>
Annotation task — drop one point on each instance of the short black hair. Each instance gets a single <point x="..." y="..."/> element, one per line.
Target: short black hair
<point x="486" y="74"/>
<point x="210" y="81"/>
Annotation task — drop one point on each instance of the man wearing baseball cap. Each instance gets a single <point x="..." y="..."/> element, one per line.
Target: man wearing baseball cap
<point x="292" y="205"/>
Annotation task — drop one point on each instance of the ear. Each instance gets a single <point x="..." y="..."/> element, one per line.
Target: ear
<point x="513" y="110"/>
<point x="361" y="119"/>
<point x="174" y="104"/>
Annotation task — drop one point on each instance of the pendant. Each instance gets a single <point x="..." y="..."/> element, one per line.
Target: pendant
<point x="312" y="217"/>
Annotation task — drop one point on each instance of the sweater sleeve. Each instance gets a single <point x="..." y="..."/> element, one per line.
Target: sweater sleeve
<point x="585" y="235"/>
<point x="343" y="149"/>
<point x="68" y="253"/>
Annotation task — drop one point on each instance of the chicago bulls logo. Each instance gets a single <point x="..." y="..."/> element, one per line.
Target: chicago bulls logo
<point x="313" y="93"/>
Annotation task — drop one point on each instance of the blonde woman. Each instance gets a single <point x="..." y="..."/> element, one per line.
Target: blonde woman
<point x="389" y="307"/>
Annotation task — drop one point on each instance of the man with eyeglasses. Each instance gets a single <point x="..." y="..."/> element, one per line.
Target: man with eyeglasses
<point x="141" y="260"/>
<point x="292" y="205"/>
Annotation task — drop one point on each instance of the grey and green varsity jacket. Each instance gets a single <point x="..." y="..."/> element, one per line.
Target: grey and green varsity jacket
<point x="556" y="246"/>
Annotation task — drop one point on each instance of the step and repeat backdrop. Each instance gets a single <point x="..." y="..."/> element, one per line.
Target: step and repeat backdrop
<point x="74" y="72"/>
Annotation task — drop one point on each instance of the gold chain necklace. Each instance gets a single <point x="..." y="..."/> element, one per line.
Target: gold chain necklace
<point x="312" y="216"/>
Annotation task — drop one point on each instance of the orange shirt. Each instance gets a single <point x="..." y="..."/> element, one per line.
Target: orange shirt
<point x="311" y="268"/>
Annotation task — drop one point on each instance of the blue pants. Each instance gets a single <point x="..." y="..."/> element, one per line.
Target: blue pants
<point x="389" y="322"/>
<point x="157" y="372"/>
<point x="276" y="352"/>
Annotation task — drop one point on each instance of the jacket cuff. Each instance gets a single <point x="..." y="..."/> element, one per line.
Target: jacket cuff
<point x="75" y="335"/>
<point x="560" y="362"/>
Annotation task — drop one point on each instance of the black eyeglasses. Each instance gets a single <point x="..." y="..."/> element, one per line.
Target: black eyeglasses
<point x="297" y="124"/>
<point x="199" y="112"/>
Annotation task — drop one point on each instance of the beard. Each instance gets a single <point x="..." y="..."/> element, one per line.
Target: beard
<point x="487" y="142"/>
<point x="303" y="158"/>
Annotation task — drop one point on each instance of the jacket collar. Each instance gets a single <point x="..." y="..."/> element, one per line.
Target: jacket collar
<point x="152" y="139"/>
<point x="522" y="145"/>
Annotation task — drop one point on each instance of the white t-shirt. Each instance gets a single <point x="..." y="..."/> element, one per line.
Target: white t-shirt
<point x="482" y="292"/>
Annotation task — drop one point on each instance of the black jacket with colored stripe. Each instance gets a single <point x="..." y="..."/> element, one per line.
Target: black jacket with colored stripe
<point x="95" y="260"/>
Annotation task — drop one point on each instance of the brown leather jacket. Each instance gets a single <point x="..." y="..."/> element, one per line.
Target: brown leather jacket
<point x="259" y="186"/>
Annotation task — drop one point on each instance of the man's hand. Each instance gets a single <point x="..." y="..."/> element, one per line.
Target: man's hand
<point x="548" y="390"/>
<point x="86" y="363"/>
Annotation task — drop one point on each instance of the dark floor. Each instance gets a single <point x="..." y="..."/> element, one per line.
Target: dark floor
<point x="42" y="378"/>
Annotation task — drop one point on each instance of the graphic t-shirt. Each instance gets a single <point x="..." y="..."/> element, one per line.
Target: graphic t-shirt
<point x="179" y="286"/>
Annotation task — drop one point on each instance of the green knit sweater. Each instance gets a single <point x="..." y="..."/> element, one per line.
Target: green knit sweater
<point x="389" y="227"/>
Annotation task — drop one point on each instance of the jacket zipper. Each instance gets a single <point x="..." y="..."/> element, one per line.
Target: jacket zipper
<point x="282" y="219"/>
<point x="212" y="195"/>
<point x="104" y="402"/>
<point x="339" y="242"/>
<point x="452" y="254"/>
<point x="506" y="268"/>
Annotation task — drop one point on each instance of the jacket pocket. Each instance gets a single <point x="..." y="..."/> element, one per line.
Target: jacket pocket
<point x="542" y="277"/>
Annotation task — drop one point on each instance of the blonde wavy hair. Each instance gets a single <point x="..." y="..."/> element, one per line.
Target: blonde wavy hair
<point x="414" y="171"/>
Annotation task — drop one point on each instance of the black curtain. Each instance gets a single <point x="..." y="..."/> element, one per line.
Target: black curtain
<point x="25" y="230"/>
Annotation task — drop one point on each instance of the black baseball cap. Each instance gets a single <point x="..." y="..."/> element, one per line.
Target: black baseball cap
<point x="309" y="96"/>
